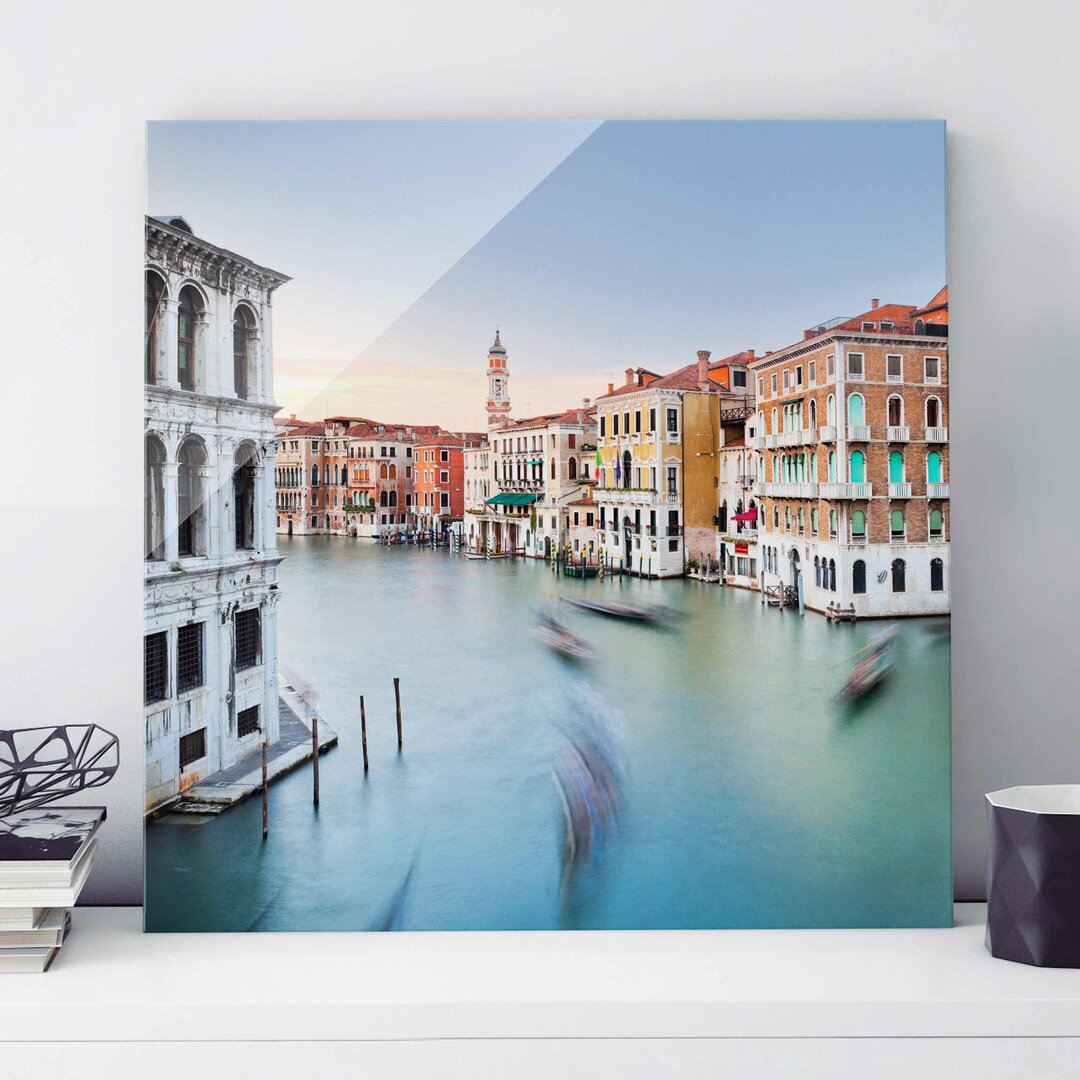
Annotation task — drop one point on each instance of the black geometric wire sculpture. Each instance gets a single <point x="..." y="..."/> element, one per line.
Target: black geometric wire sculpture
<point x="41" y="765"/>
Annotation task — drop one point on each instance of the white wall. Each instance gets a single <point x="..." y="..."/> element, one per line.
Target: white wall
<point x="76" y="89"/>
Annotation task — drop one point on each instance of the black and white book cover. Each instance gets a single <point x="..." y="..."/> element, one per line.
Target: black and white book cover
<point x="46" y="839"/>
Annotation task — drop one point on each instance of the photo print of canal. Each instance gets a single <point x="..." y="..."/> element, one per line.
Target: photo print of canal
<point x="547" y="526"/>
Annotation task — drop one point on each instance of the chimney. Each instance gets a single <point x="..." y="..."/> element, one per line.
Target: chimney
<point x="703" y="369"/>
<point x="611" y="388"/>
<point x="807" y="335"/>
<point x="874" y="303"/>
<point x="629" y="376"/>
<point x="750" y="354"/>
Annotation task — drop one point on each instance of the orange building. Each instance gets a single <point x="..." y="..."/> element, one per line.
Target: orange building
<point x="439" y="478"/>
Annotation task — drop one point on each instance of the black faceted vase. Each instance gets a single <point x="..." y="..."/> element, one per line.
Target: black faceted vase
<point x="1033" y="875"/>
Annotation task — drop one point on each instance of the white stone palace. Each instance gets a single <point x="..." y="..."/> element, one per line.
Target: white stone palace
<point x="211" y="694"/>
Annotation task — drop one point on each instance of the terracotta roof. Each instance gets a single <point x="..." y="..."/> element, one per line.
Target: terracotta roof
<point x="684" y="378"/>
<point x="734" y="444"/>
<point x="570" y="416"/>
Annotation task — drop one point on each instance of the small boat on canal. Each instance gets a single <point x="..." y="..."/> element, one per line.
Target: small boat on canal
<point x="870" y="672"/>
<point x="564" y="641"/>
<point x="615" y="610"/>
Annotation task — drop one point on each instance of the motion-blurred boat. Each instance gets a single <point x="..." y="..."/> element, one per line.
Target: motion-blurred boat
<point x="615" y="610"/>
<point x="565" y="642"/>
<point x="870" y="672"/>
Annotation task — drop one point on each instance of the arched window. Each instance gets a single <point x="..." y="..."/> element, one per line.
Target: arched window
<point x="832" y="466"/>
<point x="382" y="498"/>
<point x="155" y="293"/>
<point x="721" y="518"/>
<point x="937" y="575"/>
<point x="857" y="467"/>
<point x="814" y="520"/>
<point x="897" y="530"/>
<point x="817" y="571"/>
<point x="189" y="498"/>
<point x="186" y="326"/>
<point x="154" y="499"/>
<point x="802" y="521"/>
<point x="920" y="326"/>
<point x="244" y="497"/>
<point x="832" y="524"/>
<point x="937" y="522"/>
<point x="315" y="475"/>
<point x="933" y="412"/>
<point x="572" y="465"/>
<point x="627" y="467"/>
<point x="896" y="467"/>
<point x="391" y="472"/>
<point x="552" y="468"/>
<point x="813" y="415"/>
<point x="391" y="499"/>
<point x="830" y="410"/>
<point x="858" y="526"/>
<point x="856" y="410"/>
<point x="775" y="421"/>
<point x="776" y="518"/>
<point x="243" y="334"/>
<point x="898" y="576"/>
<point x="832" y="575"/>
<point x="933" y="467"/>
<point x="858" y="576"/>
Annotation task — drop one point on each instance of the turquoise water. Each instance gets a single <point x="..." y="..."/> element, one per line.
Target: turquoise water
<point x="751" y="798"/>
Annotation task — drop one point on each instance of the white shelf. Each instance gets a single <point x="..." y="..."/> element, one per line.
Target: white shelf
<point x="113" y="983"/>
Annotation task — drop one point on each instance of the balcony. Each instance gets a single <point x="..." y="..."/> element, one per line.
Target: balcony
<point x="758" y="489"/>
<point x="937" y="434"/>
<point x="898" y="434"/>
<point x="847" y="491"/>
<point x="858" y="432"/>
<point x="799" y="437"/>
<point x="791" y="491"/>
<point x="759" y="442"/>
<point x="631" y="495"/>
<point x="827" y="433"/>
<point x="900" y="490"/>
<point x="937" y="490"/>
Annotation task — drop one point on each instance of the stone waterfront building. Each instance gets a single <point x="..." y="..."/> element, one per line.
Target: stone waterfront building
<point x="853" y="480"/>
<point x="210" y="596"/>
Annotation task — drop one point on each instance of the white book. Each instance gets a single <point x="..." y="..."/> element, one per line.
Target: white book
<point x="49" y="934"/>
<point x="64" y="897"/>
<point x="22" y="918"/>
<point x="33" y="960"/>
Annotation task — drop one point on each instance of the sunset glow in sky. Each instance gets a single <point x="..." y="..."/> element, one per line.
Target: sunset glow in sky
<point x="595" y="247"/>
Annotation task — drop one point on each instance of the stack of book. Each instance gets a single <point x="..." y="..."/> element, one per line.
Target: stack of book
<point x="45" y="858"/>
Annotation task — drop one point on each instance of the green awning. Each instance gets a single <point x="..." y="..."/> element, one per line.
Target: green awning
<point x="538" y="461"/>
<point x="507" y="498"/>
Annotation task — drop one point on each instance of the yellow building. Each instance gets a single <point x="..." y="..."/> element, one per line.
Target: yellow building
<point x="657" y="440"/>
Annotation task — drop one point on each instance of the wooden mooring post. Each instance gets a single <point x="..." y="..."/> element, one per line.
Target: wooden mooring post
<point x="265" y="794"/>
<point x="363" y="731"/>
<point x="397" y="701"/>
<point x="315" y="756"/>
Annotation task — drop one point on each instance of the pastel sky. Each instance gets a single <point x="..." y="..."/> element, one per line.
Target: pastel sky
<point x="594" y="246"/>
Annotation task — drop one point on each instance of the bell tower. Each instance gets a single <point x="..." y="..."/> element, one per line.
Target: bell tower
<point x="498" y="399"/>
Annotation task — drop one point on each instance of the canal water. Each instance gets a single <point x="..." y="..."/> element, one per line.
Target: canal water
<point x="751" y="799"/>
